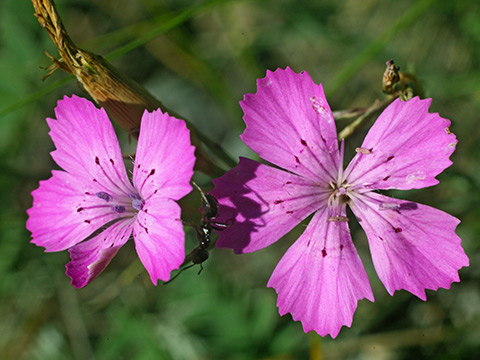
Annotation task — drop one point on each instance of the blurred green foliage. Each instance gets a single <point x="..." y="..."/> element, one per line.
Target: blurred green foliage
<point x="199" y="61"/>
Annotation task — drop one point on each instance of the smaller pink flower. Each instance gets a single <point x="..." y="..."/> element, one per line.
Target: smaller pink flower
<point x="92" y="208"/>
<point x="321" y="277"/>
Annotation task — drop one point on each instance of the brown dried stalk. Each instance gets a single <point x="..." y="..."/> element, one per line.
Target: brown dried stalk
<point x="123" y="99"/>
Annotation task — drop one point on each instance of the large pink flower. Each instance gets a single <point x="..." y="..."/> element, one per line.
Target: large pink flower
<point x="92" y="208"/>
<point x="321" y="277"/>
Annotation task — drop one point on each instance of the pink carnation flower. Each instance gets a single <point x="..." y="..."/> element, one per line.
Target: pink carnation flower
<point x="94" y="193"/>
<point x="321" y="277"/>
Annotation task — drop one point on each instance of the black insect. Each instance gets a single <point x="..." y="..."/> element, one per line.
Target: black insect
<point x="203" y="233"/>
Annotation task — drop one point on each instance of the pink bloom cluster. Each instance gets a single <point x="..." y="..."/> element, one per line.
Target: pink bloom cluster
<point x="321" y="277"/>
<point x="92" y="208"/>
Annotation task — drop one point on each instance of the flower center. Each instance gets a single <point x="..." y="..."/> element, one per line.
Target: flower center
<point x="121" y="204"/>
<point x="340" y="193"/>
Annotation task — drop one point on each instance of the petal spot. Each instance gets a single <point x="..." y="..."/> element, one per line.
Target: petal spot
<point x="324" y="252"/>
<point x="390" y="157"/>
<point x="397" y="229"/>
<point x="419" y="175"/>
<point x="304" y="143"/>
<point x="97" y="160"/>
<point x="276" y="202"/>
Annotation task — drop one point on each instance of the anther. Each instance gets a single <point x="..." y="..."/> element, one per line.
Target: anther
<point x="338" y="218"/>
<point x="363" y="151"/>
<point x="104" y="196"/>
<point x="119" y="208"/>
<point x="137" y="204"/>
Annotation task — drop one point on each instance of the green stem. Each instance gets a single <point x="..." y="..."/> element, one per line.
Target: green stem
<point x="361" y="120"/>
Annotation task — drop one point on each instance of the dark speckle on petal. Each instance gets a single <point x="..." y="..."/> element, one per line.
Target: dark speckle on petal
<point x="324" y="252"/>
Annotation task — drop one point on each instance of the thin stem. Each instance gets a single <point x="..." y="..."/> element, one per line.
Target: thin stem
<point x="361" y="120"/>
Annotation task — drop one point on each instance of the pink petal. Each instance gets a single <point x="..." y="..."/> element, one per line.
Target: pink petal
<point x="260" y="204"/>
<point x="414" y="247"/>
<point x="164" y="158"/>
<point x="65" y="211"/>
<point x="408" y="147"/>
<point x="321" y="277"/>
<point x="159" y="238"/>
<point x="91" y="257"/>
<point x="86" y="145"/>
<point x="289" y="123"/>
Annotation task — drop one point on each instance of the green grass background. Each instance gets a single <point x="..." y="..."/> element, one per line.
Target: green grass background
<point x="200" y="58"/>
